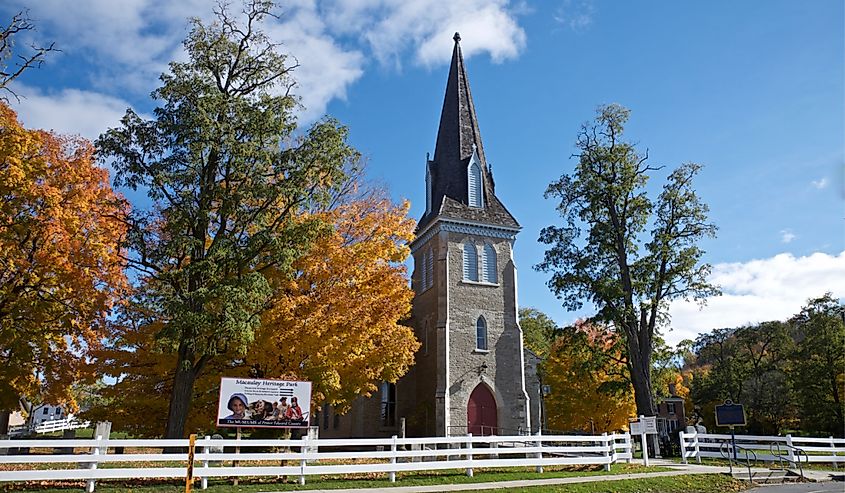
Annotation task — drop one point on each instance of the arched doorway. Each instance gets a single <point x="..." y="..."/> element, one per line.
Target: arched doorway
<point x="482" y="418"/>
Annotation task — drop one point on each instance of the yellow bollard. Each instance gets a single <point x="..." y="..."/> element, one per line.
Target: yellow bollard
<point x="189" y="478"/>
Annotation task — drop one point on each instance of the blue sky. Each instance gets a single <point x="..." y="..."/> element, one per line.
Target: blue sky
<point x="754" y="90"/>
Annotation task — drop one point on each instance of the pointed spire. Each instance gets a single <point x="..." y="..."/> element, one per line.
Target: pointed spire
<point x="458" y="138"/>
<point x="458" y="135"/>
<point x="458" y="130"/>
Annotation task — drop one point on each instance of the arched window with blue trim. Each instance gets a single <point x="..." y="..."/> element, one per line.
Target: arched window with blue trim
<point x="481" y="334"/>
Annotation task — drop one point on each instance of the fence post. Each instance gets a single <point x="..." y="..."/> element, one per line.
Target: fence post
<point x="833" y="447"/>
<point x="697" y="449"/>
<point x="629" y="447"/>
<point x="606" y="451"/>
<point x="539" y="443"/>
<point x="205" y="451"/>
<point x="469" y="454"/>
<point x="392" y="474"/>
<point x="683" y="447"/>
<point x="93" y="465"/>
<point x="303" y="451"/>
<point x="789" y="446"/>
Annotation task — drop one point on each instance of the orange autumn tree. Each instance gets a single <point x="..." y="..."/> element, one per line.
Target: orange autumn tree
<point x="590" y="390"/>
<point x="337" y="323"/>
<point x="60" y="263"/>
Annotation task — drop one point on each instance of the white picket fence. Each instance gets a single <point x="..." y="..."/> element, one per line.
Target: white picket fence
<point x="305" y="457"/>
<point x="50" y="426"/>
<point x="830" y="449"/>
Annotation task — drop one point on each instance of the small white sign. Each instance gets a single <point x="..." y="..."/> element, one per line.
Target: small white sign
<point x="647" y="425"/>
<point x="635" y="428"/>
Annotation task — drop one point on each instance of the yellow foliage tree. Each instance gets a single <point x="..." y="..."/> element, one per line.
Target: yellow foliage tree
<point x="590" y="390"/>
<point x="337" y="323"/>
<point x="60" y="264"/>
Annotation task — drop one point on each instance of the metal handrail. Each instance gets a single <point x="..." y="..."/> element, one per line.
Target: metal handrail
<point x="726" y="451"/>
<point x="788" y="458"/>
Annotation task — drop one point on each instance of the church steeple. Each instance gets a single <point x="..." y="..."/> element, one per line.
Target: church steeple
<point x="458" y="130"/>
<point x="459" y="184"/>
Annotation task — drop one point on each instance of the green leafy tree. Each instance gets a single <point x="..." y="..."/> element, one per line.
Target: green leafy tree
<point x="538" y="330"/>
<point x="628" y="271"/>
<point x="748" y="365"/>
<point x="228" y="176"/>
<point x="818" y="374"/>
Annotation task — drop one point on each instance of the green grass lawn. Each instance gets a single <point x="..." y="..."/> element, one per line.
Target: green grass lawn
<point x="675" y="484"/>
<point x="349" y="481"/>
<point x="708" y="461"/>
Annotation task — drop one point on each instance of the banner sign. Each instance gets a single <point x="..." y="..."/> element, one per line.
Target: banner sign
<point x="730" y="414"/>
<point x="260" y="403"/>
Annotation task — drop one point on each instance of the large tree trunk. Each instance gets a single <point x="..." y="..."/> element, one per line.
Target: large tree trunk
<point x="180" y="398"/>
<point x="639" y="354"/>
<point x="4" y="422"/>
<point x="641" y="380"/>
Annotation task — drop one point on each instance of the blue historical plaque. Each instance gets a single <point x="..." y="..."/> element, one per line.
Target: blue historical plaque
<point x="730" y="414"/>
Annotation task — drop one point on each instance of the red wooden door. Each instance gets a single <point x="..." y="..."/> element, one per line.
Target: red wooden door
<point x="481" y="412"/>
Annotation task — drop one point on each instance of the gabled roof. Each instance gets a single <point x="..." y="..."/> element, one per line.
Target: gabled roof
<point x="458" y="137"/>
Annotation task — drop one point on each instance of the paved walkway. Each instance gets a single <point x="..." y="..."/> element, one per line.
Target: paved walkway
<point x="677" y="470"/>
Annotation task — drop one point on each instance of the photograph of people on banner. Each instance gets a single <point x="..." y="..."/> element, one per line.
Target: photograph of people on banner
<point x="262" y="403"/>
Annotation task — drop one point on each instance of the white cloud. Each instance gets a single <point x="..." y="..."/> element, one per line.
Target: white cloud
<point x="70" y="111"/>
<point x="125" y="45"/>
<point x="575" y="14"/>
<point x="759" y="290"/>
<point x="820" y="183"/>
<point x="129" y="44"/>
<point x="425" y="27"/>
<point x="325" y="69"/>
<point x="786" y="236"/>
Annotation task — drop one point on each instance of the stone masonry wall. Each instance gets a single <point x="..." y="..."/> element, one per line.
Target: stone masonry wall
<point x="503" y="372"/>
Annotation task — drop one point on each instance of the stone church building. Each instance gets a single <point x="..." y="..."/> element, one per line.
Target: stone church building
<point x="472" y="374"/>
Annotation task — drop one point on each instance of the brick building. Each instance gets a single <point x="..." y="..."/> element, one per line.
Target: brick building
<point x="470" y="373"/>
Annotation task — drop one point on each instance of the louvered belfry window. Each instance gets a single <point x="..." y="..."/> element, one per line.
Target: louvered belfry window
<point x="470" y="262"/>
<point x="474" y="178"/>
<point x="488" y="264"/>
<point x="423" y="272"/>
<point x="429" y="268"/>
